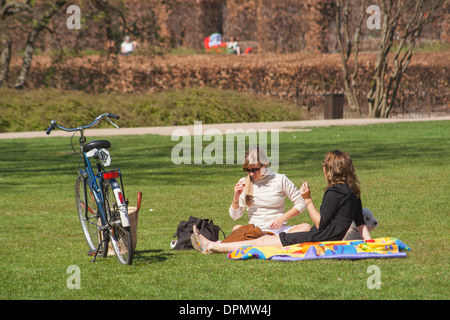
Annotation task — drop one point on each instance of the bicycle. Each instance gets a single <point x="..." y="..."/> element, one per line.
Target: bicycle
<point x="101" y="203"/>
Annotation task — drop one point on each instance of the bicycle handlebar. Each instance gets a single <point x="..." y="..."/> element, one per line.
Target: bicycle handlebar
<point x="53" y="124"/>
<point x="110" y="115"/>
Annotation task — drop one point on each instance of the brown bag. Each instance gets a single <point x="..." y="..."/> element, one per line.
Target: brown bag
<point x="246" y="232"/>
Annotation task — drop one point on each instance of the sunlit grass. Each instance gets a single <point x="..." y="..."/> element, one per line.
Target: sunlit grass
<point x="405" y="182"/>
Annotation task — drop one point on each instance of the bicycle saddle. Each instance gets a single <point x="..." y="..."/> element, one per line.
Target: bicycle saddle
<point x="96" y="144"/>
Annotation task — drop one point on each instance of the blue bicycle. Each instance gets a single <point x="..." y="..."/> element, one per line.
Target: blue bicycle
<point x="101" y="202"/>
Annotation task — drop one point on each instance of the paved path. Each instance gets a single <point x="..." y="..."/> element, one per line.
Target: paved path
<point x="186" y="130"/>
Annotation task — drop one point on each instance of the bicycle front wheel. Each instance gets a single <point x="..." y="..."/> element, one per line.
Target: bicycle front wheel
<point x="120" y="236"/>
<point x="90" y="218"/>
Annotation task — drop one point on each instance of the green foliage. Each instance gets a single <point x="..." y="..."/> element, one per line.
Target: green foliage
<point x="426" y="46"/>
<point x="33" y="110"/>
<point x="404" y="173"/>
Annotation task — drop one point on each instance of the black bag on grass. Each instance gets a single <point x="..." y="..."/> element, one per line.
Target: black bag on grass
<point x="205" y="227"/>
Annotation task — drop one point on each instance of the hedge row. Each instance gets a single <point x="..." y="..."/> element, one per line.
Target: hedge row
<point x="303" y="79"/>
<point x="32" y="110"/>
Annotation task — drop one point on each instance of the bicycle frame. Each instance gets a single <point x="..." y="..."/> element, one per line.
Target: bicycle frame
<point x="95" y="183"/>
<point x="94" y="187"/>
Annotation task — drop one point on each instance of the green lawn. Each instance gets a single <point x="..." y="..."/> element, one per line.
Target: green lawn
<point x="404" y="170"/>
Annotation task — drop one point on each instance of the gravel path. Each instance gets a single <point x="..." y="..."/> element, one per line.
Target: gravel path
<point x="191" y="129"/>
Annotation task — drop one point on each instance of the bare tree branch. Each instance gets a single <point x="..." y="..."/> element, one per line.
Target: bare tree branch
<point x="389" y="69"/>
<point x="11" y="7"/>
<point x="345" y="48"/>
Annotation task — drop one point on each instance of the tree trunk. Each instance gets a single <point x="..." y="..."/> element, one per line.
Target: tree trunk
<point x="7" y="9"/>
<point x="376" y="94"/>
<point x="37" y="27"/>
<point x="26" y="64"/>
<point x="345" y="48"/>
<point x="5" y="57"/>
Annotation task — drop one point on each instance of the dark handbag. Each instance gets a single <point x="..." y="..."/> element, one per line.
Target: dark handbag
<point x="206" y="227"/>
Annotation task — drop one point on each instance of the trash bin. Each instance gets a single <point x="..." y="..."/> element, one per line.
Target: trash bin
<point x="334" y="106"/>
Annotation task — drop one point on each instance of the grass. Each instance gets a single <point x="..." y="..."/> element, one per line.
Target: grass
<point x="33" y="110"/>
<point x="405" y="181"/>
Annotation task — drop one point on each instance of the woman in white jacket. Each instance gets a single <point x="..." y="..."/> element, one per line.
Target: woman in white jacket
<point x="262" y="192"/>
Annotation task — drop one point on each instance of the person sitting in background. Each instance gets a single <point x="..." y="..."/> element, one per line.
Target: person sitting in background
<point x="233" y="46"/>
<point x="127" y="47"/>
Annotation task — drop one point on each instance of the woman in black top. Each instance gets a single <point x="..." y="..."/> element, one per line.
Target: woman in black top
<point x="341" y="205"/>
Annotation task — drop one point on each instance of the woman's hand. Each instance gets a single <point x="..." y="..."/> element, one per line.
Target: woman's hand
<point x="313" y="213"/>
<point x="278" y="222"/>
<point x="305" y="191"/>
<point x="238" y="189"/>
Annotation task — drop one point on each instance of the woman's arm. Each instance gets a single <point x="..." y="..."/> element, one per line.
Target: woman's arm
<point x="238" y="189"/>
<point x="359" y="221"/>
<point x="236" y="211"/>
<point x="364" y="232"/>
<point x="313" y="213"/>
<point x="293" y="194"/>
<point x="291" y="191"/>
<point x="278" y="222"/>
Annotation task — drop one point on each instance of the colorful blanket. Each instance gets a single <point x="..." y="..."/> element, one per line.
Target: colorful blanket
<point x="355" y="249"/>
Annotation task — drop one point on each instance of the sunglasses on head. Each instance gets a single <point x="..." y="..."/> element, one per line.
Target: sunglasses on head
<point x="253" y="170"/>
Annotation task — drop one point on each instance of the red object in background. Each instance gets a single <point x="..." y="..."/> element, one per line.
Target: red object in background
<point x="208" y="48"/>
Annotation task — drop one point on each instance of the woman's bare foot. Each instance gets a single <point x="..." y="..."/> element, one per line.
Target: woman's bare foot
<point x="199" y="242"/>
<point x="206" y="244"/>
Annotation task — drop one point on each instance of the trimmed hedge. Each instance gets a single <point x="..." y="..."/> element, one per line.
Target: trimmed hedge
<point x="32" y="110"/>
<point x="301" y="78"/>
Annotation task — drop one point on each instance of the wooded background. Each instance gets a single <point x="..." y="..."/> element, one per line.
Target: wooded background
<point x="295" y="57"/>
<point x="277" y="26"/>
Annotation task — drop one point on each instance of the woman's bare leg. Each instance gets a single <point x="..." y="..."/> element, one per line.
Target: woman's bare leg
<point x="236" y="227"/>
<point x="302" y="227"/>
<point x="264" y="241"/>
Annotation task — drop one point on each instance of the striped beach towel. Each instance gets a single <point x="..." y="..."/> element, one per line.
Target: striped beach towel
<point x="354" y="249"/>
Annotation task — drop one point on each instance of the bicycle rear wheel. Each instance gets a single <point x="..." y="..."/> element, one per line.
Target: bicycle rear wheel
<point x="120" y="236"/>
<point x="90" y="218"/>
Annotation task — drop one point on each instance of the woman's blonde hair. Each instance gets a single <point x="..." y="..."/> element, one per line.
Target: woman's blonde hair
<point x="339" y="169"/>
<point x="253" y="155"/>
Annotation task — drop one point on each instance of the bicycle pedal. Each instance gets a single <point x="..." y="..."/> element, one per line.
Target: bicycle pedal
<point x="92" y="253"/>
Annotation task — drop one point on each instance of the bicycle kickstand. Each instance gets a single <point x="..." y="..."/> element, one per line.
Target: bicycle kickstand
<point x="91" y="252"/>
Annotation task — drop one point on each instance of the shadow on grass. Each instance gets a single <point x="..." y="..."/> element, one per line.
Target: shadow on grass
<point x="152" y="256"/>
